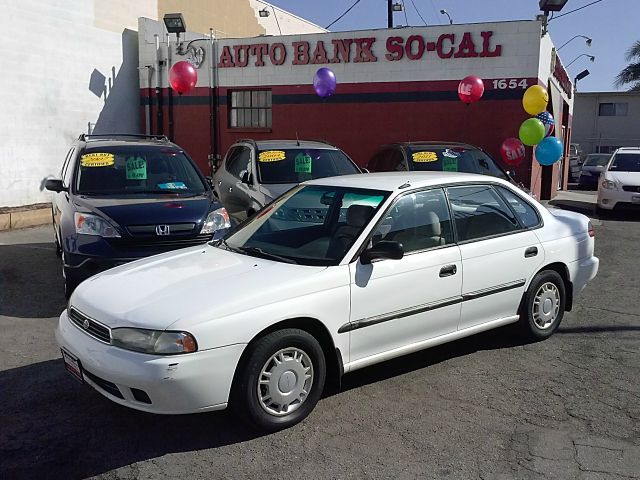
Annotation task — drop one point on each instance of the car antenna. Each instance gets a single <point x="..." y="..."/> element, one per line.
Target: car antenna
<point x="297" y="140"/>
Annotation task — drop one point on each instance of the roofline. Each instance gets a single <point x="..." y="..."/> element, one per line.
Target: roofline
<point x="613" y="92"/>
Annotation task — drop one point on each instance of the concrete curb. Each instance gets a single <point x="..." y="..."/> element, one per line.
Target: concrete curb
<point x="25" y="218"/>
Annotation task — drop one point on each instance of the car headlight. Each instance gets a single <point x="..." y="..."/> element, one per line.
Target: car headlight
<point x="216" y="220"/>
<point x="153" y="341"/>
<point x="88" y="224"/>
<point x="609" y="185"/>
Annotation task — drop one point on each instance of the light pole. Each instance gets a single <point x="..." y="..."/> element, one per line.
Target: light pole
<point x="392" y="7"/>
<point x="587" y="41"/>
<point x="580" y="76"/>
<point x="591" y="57"/>
<point x="444" y="12"/>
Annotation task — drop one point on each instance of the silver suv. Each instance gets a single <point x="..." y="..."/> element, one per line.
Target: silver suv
<point x="253" y="173"/>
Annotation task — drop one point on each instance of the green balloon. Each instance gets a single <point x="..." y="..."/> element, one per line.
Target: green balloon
<point x="531" y="131"/>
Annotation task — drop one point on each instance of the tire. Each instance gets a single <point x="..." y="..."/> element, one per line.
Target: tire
<point x="543" y="305"/>
<point x="70" y="284"/>
<point x="255" y="397"/>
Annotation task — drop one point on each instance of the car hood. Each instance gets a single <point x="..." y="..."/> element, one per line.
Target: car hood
<point x="624" y="178"/>
<point x="147" y="211"/>
<point x="159" y="291"/>
<point x="273" y="191"/>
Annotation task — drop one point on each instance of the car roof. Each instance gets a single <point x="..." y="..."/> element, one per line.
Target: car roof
<point x="628" y="149"/>
<point x="433" y="143"/>
<point x="269" y="144"/>
<point x="92" y="144"/>
<point x="397" y="181"/>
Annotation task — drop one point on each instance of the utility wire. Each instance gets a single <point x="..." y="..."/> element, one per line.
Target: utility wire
<point x="404" y="9"/>
<point x="347" y="11"/>
<point x="418" y="11"/>
<point x="571" y="11"/>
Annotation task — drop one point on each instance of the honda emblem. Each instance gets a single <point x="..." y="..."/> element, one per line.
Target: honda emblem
<point x="163" y="230"/>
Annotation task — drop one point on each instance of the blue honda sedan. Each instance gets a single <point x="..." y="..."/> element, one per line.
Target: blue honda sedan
<point x="121" y="198"/>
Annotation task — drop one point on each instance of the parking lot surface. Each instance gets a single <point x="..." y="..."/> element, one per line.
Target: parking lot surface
<point x="489" y="406"/>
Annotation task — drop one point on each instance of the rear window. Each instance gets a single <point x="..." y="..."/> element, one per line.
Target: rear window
<point x="596" y="160"/>
<point x="442" y="158"/>
<point x="626" y="162"/>
<point x="295" y="165"/>
<point x="133" y="169"/>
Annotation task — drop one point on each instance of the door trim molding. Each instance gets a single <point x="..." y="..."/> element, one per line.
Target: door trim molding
<point x="406" y="312"/>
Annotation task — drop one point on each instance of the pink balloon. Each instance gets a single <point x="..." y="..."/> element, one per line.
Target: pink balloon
<point x="470" y="89"/>
<point x="512" y="152"/>
<point x="183" y="77"/>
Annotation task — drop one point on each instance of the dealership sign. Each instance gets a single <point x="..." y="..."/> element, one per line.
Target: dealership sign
<point x="359" y="50"/>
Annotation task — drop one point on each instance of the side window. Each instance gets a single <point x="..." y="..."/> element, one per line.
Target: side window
<point x="418" y="221"/>
<point x="65" y="165"/>
<point x="526" y="213"/>
<point x="69" y="167"/>
<point x="389" y="160"/>
<point x="480" y="212"/>
<point x="238" y="161"/>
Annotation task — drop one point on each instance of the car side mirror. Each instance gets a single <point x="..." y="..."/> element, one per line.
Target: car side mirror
<point x="245" y="177"/>
<point x="55" y="185"/>
<point x="382" y="250"/>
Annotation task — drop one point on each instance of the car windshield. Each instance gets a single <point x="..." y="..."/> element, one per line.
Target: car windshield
<point x="309" y="225"/>
<point x="454" y="159"/>
<point x="296" y="165"/>
<point x="597" y="160"/>
<point x="626" y="162"/>
<point x="125" y="170"/>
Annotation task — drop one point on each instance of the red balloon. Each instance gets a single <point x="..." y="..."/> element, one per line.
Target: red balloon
<point x="183" y="77"/>
<point x="470" y="89"/>
<point x="512" y="151"/>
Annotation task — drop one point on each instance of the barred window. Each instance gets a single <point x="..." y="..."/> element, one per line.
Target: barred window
<point x="250" y="109"/>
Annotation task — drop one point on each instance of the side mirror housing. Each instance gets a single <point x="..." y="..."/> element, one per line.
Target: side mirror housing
<point x="55" y="185"/>
<point x="245" y="177"/>
<point x="383" y="250"/>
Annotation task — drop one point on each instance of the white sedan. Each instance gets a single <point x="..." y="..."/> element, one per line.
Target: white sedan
<point x="334" y="275"/>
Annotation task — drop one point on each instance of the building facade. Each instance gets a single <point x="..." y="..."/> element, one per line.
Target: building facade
<point x="605" y="121"/>
<point x="71" y="67"/>
<point x="393" y="85"/>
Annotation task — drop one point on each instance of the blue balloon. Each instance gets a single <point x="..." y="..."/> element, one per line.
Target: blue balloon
<point x="549" y="151"/>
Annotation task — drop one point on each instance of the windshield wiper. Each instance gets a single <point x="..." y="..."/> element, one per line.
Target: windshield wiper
<point x="222" y="241"/>
<point x="256" y="251"/>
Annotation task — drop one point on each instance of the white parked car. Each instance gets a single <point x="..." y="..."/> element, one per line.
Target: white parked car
<point x="619" y="184"/>
<point x="334" y="275"/>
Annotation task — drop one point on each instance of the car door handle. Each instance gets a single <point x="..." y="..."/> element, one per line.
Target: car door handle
<point x="448" y="271"/>
<point x="531" y="252"/>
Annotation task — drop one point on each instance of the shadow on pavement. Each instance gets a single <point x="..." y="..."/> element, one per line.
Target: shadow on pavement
<point x="598" y="329"/>
<point x="30" y="281"/>
<point x="54" y="427"/>
<point x="589" y="209"/>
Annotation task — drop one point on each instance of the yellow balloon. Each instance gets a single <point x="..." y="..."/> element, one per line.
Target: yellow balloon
<point x="535" y="99"/>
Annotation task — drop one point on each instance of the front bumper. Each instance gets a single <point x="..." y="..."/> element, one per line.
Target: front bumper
<point x="174" y="384"/>
<point x="610" y="199"/>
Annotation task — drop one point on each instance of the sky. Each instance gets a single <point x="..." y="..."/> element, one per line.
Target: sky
<point x="612" y="24"/>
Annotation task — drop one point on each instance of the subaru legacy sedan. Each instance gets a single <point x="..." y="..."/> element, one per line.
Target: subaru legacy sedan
<point x="334" y="275"/>
<point x="123" y="197"/>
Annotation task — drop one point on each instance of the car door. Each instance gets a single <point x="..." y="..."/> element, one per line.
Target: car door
<point x="61" y="199"/>
<point x="395" y="303"/>
<point x="232" y="195"/>
<point x="499" y="254"/>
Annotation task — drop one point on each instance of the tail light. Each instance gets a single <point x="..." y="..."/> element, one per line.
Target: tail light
<point x="590" y="230"/>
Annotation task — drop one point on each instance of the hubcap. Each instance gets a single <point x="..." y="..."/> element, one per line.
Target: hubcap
<point x="546" y="305"/>
<point x="285" y="381"/>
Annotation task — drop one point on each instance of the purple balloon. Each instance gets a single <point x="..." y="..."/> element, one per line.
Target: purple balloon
<point x="324" y="82"/>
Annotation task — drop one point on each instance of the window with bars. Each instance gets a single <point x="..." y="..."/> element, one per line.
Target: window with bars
<point x="250" y="109"/>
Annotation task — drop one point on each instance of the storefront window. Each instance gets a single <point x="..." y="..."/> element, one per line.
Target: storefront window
<point x="250" y="109"/>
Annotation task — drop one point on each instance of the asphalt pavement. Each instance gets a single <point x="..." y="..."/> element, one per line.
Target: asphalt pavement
<point x="488" y="406"/>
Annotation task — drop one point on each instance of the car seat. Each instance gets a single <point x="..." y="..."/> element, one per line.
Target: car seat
<point x="357" y="217"/>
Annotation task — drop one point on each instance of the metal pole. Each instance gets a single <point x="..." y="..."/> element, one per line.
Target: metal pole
<point x="389" y="13"/>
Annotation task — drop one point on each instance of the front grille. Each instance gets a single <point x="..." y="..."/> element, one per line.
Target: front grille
<point x="90" y="326"/>
<point x="107" y="386"/>
<point x="631" y="188"/>
<point x="161" y="242"/>
<point x="174" y="228"/>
